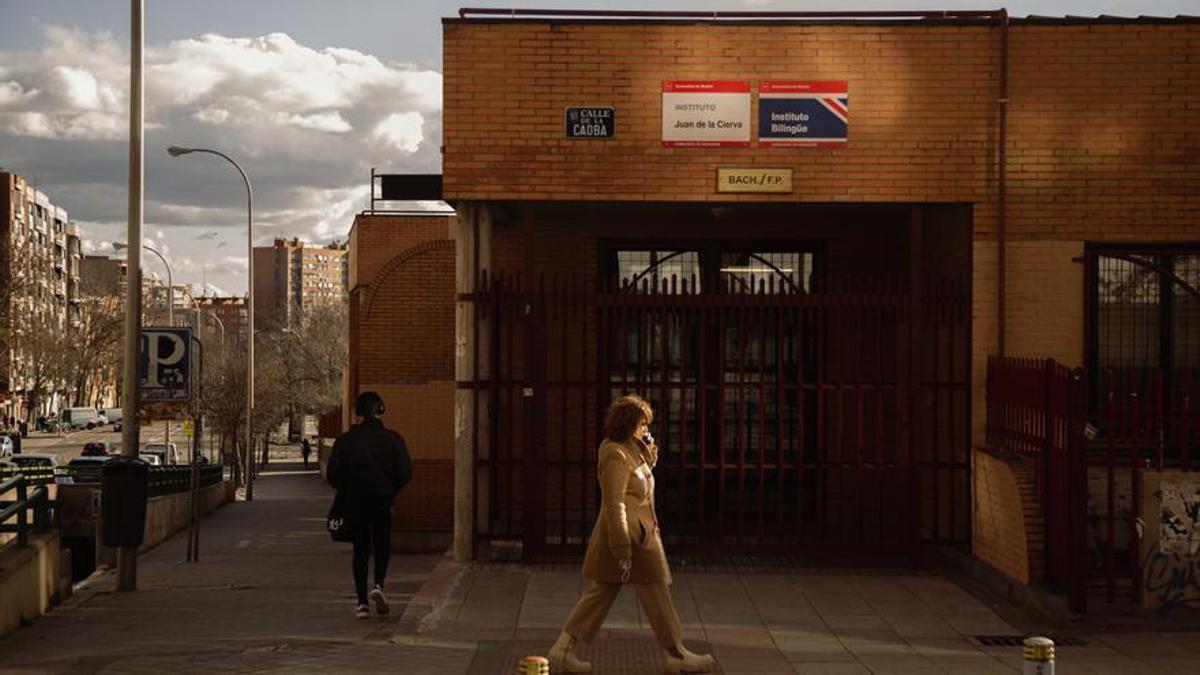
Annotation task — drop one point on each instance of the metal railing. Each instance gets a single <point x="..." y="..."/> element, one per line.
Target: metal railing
<point x="17" y="510"/>
<point x="163" y="480"/>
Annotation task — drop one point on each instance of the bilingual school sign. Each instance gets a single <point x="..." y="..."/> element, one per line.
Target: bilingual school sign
<point x="802" y="114"/>
<point x="705" y="113"/>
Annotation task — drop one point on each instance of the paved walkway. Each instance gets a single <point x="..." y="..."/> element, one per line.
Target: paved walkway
<point x="272" y="593"/>
<point x="801" y="621"/>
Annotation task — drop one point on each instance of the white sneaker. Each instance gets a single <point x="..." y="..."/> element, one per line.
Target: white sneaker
<point x="379" y="600"/>
<point x="362" y="612"/>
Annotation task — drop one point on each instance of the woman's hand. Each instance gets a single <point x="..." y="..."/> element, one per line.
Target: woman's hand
<point x="626" y="566"/>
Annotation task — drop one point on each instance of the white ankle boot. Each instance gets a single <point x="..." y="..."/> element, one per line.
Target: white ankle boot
<point x="562" y="656"/>
<point x="689" y="663"/>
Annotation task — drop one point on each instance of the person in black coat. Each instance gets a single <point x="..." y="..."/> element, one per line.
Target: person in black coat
<point x="368" y="465"/>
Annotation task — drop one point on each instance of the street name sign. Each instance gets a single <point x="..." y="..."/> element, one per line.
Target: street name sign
<point x="591" y="122"/>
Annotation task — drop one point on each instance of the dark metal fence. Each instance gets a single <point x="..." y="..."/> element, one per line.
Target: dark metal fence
<point x="18" y="510"/>
<point x="785" y="417"/>
<point x="1092" y="450"/>
<point x="163" y="480"/>
<point x="1037" y="408"/>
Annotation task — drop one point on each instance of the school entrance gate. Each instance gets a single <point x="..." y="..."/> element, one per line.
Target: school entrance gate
<point x="798" y="412"/>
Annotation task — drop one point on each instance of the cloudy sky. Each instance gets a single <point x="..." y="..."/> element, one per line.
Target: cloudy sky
<point x="307" y="94"/>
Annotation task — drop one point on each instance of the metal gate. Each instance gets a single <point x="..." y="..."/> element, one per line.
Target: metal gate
<point x="1144" y="417"/>
<point x="785" y="415"/>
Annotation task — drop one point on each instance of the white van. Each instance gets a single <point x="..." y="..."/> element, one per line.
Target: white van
<point x="166" y="452"/>
<point x="80" y="418"/>
<point x="113" y="415"/>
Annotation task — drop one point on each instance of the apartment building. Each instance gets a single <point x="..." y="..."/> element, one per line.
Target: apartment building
<point x="39" y="287"/>
<point x="291" y="275"/>
<point x="223" y="316"/>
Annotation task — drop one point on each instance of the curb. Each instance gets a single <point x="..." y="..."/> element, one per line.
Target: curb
<point x="427" y="604"/>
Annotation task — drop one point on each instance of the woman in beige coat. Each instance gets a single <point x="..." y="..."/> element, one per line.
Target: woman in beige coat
<point x="625" y="546"/>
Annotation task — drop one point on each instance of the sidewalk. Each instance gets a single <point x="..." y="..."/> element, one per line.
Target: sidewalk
<point x="800" y="621"/>
<point x="271" y="591"/>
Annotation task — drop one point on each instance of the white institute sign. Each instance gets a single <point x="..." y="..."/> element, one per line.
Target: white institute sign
<point x="705" y="113"/>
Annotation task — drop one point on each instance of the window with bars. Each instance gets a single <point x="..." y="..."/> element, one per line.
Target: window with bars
<point x="1142" y="317"/>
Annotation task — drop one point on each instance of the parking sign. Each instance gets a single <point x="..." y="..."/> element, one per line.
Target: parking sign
<point x="165" y="373"/>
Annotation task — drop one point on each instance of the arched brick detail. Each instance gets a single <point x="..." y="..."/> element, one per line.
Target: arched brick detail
<point x="406" y="331"/>
<point x="404" y="256"/>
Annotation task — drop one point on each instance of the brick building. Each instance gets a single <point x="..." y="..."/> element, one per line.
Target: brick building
<point x="291" y="275"/>
<point x="224" y="317"/>
<point x="811" y="313"/>
<point x="40" y="249"/>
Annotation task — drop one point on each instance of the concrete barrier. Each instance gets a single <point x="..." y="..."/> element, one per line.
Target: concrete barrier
<point x="168" y="514"/>
<point x="29" y="581"/>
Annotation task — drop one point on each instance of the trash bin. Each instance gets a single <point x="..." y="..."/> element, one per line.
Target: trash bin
<point x="123" y="501"/>
<point x="23" y="427"/>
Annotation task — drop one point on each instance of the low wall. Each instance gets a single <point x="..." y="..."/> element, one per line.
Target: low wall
<point x="168" y="514"/>
<point x="1170" y="542"/>
<point x="28" y="580"/>
<point x="1000" y="534"/>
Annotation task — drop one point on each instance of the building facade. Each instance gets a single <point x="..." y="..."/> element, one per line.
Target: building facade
<point x="41" y="293"/>
<point x="223" y="317"/>
<point x="291" y="275"/>
<point x="810" y="298"/>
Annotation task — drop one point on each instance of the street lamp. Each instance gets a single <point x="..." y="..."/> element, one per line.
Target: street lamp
<point x="170" y="283"/>
<point x="170" y="309"/>
<point x="176" y="151"/>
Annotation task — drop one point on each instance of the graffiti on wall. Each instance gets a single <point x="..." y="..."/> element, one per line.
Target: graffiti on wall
<point x="1171" y="566"/>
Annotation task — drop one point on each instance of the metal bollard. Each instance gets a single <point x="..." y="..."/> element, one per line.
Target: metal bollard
<point x="534" y="665"/>
<point x="1039" y="656"/>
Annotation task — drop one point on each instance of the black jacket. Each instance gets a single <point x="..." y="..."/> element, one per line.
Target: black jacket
<point x="369" y="460"/>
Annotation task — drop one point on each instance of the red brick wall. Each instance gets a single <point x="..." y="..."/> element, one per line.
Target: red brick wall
<point x="402" y="342"/>
<point x="1103" y="118"/>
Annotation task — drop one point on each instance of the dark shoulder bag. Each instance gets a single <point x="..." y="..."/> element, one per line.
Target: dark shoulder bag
<point x="338" y="522"/>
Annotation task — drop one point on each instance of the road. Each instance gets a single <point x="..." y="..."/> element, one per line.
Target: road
<point x="69" y="445"/>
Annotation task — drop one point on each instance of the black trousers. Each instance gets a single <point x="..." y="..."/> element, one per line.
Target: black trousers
<point x="372" y="522"/>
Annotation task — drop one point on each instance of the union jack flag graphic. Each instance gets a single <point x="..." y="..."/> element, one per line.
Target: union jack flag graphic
<point x="803" y="114"/>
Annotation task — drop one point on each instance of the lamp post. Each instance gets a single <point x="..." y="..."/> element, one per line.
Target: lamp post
<point x="170" y="281"/>
<point x="176" y="151"/>
<point x="127" y="555"/>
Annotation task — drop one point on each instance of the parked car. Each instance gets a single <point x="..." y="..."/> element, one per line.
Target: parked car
<point x="101" y="418"/>
<point x="41" y="461"/>
<point x="166" y="452"/>
<point x="96" y="449"/>
<point x="6" y="446"/>
<point x="113" y="415"/>
<point x="117" y="426"/>
<point x="152" y="460"/>
<point x="80" y="418"/>
<point x="87" y="469"/>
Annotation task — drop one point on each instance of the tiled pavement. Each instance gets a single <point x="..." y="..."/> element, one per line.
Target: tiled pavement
<point x="801" y="622"/>
<point x="273" y="594"/>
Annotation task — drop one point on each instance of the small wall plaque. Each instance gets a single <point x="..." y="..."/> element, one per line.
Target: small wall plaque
<point x="590" y="122"/>
<point x="754" y="180"/>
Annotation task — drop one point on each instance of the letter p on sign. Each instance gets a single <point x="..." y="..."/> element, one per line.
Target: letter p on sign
<point x="166" y="364"/>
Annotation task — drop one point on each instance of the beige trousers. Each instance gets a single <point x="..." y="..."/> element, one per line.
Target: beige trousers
<point x="597" y="600"/>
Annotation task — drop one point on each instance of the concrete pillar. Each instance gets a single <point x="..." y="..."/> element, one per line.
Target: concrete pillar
<point x="473" y="246"/>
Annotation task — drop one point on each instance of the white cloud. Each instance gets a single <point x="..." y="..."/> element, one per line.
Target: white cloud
<point x="333" y="123"/>
<point x="402" y="131"/>
<point x="306" y="123"/>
